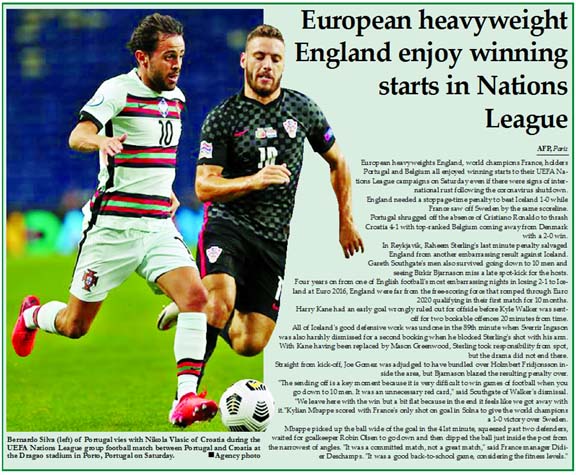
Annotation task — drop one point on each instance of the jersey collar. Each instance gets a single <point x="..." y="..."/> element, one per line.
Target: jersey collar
<point x="173" y="94"/>
<point x="258" y="103"/>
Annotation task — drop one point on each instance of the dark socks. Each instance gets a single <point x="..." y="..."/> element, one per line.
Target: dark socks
<point x="211" y="340"/>
<point x="224" y="333"/>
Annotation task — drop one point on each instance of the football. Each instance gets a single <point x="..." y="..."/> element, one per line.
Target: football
<point x="247" y="406"/>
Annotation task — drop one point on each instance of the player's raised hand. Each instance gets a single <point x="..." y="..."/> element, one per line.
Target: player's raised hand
<point x="271" y="175"/>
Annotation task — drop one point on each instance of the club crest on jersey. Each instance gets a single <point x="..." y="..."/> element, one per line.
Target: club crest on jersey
<point x="163" y="106"/>
<point x="90" y="279"/>
<point x="266" y="133"/>
<point x="205" y="149"/>
<point x="291" y="127"/>
<point x="213" y="253"/>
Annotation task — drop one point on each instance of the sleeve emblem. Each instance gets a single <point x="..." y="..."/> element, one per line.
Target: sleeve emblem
<point x="96" y="100"/>
<point x="206" y="149"/>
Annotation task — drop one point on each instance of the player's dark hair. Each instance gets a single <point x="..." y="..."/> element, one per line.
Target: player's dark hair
<point x="145" y="36"/>
<point x="265" y="31"/>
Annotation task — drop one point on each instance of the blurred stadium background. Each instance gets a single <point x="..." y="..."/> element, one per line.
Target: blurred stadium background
<point x="121" y="376"/>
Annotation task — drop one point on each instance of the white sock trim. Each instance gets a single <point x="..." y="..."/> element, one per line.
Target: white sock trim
<point x="29" y="317"/>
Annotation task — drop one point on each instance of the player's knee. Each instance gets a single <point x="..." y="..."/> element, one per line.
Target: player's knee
<point x="218" y="311"/>
<point x="195" y="299"/>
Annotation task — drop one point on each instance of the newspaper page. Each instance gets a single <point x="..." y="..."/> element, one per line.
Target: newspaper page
<point x="448" y="343"/>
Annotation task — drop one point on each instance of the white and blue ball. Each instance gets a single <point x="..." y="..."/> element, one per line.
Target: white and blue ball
<point x="247" y="406"/>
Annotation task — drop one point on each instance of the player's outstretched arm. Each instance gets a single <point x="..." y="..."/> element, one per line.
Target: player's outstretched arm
<point x="212" y="186"/>
<point x="85" y="138"/>
<point x="350" y="238"/>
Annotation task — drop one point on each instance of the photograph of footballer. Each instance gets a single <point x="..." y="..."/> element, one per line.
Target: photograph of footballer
<point x="249" y="163"/>
<point x="133" y="121"/>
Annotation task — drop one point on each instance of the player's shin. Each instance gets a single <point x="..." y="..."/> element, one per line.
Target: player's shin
<point x="189" y="349"/>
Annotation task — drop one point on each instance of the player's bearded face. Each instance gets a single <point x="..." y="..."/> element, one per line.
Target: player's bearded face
<point x="162" y="67"/>
<point x="263" y="64"/>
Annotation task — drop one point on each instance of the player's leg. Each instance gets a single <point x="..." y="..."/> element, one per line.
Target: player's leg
<point x="249" y="330"/>
<point x="71" y="320"/>
<point x="258" y="301"/>
<point x="74" y="320"/>
<point x="219" y="254"/>
<point x="219" y="308"/>
<point x="249" y="333"/>
<point x="170" y="266"/>
<point x="222" y="254"/>
<point x="184" y="287"/>
<point x="102" y="264"/>
<point x="105" y="260"/>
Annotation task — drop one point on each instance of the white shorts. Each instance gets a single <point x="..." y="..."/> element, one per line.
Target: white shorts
<point x="107" y="257"/>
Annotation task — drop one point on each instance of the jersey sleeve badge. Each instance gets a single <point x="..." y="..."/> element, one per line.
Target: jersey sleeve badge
<point x="96" y="100"/>
<point x="206" y="149"/>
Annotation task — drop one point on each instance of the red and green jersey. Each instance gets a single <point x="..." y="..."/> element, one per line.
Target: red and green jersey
<point x="136" y="183"/>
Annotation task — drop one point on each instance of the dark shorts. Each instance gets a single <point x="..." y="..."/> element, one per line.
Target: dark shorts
<point x="256" y="264"/>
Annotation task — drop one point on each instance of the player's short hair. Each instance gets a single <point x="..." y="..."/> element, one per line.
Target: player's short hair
<point x="146" y="35"/>
<point x="265" y="31"/>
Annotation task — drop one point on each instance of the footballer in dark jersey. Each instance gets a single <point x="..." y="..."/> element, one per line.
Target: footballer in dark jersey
<point x="250" y="159"/>
<point x="242" y="136"/>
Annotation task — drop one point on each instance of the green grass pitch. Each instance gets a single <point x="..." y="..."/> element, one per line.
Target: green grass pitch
<point x="121" y="376"/>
